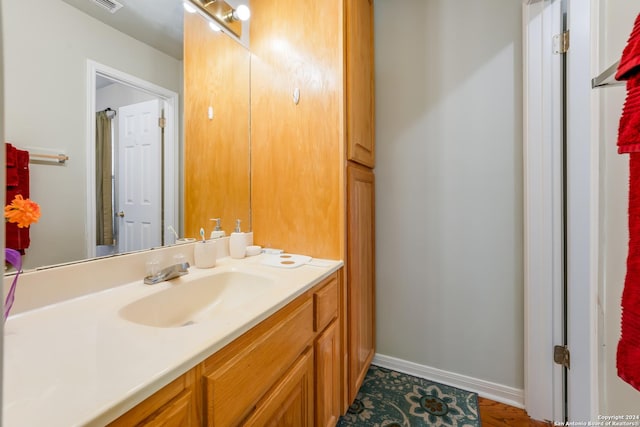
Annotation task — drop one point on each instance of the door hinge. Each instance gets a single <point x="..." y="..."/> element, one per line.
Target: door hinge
<point x="562" y="356"/>
<point x="561" y="43"/>
<point x="162" y="122"/>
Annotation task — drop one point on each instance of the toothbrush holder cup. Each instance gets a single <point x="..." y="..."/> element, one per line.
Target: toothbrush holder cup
<point x="204" y="254"/>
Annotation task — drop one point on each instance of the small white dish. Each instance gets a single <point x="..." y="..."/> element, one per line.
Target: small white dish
<point x="254" y="250"/>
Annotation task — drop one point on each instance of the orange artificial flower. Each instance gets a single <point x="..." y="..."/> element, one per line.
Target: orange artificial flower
<point x="22" y="211"/>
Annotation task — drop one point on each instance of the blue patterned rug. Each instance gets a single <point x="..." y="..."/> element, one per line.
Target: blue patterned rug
<point x="392" y="399"/>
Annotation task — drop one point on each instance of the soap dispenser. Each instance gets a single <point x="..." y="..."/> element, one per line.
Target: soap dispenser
<point x="217" y="232"/>
<point x="237" y="242"/>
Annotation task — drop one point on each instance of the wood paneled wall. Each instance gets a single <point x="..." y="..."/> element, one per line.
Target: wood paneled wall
<point x="297" y="169"/>
<point x="217" y="182"/>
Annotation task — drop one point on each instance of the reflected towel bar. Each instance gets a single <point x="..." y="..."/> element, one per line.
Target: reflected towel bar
<point x="59" y="158"/>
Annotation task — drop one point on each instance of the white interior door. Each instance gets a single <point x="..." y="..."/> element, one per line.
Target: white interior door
<point x="583" y="244"/>
<point x="544" y="226"/>
<point x="139" y="176"/>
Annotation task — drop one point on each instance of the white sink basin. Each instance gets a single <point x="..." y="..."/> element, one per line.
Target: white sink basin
<point x="197" y="300"/>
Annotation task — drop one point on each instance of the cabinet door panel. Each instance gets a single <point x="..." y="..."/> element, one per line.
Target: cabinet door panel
<point x="360" y="82"/>
<point x="235" y="385"/>
<point x="361" y="278"/>
<point x="173" y="405"/>
<point x="176" y="414"/>
<point x="290" y="403"/>
<point x="327" y="352"/>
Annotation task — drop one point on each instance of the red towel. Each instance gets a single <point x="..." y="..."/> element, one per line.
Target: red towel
<point x="15" y="237"/>
<point x="630" y="60"/>
<point x="628" y="352"/>
<point x="12" y="171"/>
<point x="629" y="128"/>
<point x="11" y="154"/>
<point x="22" y="165"/>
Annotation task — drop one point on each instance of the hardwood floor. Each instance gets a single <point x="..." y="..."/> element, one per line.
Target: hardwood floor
<point x="495" y="414"/>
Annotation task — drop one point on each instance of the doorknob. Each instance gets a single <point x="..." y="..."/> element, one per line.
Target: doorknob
<point x="120" y="214"/>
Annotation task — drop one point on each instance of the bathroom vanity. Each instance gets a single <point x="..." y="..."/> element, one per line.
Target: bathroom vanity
<point x="257" y="350"/>
<point x="286" y="367"/>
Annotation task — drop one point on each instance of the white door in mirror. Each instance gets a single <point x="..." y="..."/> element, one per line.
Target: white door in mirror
<point x="139" y="176"/>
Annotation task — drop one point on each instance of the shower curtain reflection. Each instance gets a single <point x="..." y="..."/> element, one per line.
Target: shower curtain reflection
<point x="104" y="177"/>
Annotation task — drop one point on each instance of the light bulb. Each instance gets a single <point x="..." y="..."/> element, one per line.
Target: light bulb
<point x="189" y="7"/>
<point x="242" y="13"/>
<point x="214" y="26"/>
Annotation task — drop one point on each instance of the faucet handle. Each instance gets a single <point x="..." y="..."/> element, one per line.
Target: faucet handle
<point x="152" y="268"/>
<point x="179" y="258"/>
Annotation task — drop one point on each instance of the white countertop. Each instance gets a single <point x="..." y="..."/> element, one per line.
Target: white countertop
<point x="78" y="362"/>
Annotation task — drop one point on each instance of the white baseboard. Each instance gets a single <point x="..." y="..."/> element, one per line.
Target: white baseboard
<point x="498" y="392"/>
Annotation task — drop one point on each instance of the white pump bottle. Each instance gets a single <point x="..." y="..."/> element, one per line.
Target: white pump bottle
<point x="237" y="242"/>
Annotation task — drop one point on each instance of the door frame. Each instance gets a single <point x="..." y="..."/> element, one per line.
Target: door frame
<point x="583" y="211"/>
<point x="543" y="213"/>
<point x="171" y="147"/>
<point x="543" y="251"/>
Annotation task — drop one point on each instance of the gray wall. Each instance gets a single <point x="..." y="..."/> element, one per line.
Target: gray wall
<point x="449" y="186"/>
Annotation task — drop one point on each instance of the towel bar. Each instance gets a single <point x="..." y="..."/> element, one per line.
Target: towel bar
<point x="60" y="158"/>
<point x="605" y="78"/>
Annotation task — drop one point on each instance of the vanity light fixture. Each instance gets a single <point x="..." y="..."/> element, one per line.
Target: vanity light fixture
<point x="214" y="27"/>
<point x="241" y="13"/>
<point x="227" y="18"/>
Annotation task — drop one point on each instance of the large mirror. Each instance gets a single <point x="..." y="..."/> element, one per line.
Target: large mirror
<point x="65" y="61"/>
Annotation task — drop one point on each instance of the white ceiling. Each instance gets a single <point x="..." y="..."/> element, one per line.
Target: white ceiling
<point x="158" y="23"/>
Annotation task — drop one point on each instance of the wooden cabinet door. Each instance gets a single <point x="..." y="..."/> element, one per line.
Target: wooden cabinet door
<point x="361" y="269"/>
<point x="174" y="405"/>
<point x="177" y="414"/>
<point x="360" y="82"/>
<point x="290" y="403"/>
<point x="240" y="376"/>
<point x="327" y="353"/>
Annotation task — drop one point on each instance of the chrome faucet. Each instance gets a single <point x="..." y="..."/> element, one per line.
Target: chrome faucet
<point x="168" y="273"/>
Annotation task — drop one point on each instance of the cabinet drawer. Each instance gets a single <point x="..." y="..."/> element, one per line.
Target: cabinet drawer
<point x="177" y="413"/>
<point x="238" y="377"/>
<point x="325" y="304"/>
